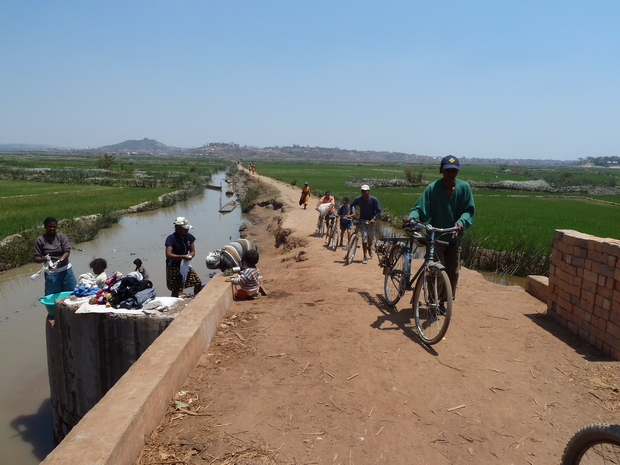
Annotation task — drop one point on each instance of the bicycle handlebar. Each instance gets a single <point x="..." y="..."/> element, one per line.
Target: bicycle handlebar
<point x="414" y="226"/>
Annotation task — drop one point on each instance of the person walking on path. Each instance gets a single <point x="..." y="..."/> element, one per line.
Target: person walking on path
<point x="446" y="203"/>
<point x="345" y="213"/>
<point x="329" y="212"/>
<point x="305" y="195"/>
<point x="53" y="249"/>
<point x="370" y="210"/>
<point x="180" y="251"/>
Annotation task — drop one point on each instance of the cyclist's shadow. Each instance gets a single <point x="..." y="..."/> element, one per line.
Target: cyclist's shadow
<point x="403" y="319"/>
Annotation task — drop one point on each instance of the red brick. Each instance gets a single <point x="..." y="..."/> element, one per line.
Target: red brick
<point x="604" y="314"/>
<point x="612" y="335"/>
<point x="587" y="306"/>
<point x="595" y="246"/>
<point x="614" y="317"/>
<point x="607" y="270"/>
<point x="587" y="286"/>
<point x="595" y="256"/>
<point x="573" y="328"/>
<point x="612" y="248"/>
<point x="605" y="293"/>
<point x="567" y="268"/>
<point x="581" y="242"/>
<point x="589" y="276"/>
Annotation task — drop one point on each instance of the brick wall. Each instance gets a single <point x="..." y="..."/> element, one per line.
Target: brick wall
<point x="584" y="288"/>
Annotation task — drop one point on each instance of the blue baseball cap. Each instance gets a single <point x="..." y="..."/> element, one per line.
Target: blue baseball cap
<point x="450" y="162"/>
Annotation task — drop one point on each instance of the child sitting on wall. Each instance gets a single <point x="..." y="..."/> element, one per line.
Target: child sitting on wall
<point x="248" y="279"/>
<point x="98" y="265"/>
<point x="140" y="269"/>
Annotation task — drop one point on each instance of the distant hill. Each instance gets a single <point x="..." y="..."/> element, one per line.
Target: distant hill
<point x="151" y="147"/>
<point x="144" y="146"/>
<point x="30" y="148"/>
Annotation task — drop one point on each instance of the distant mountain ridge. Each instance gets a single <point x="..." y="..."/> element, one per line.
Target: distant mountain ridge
<point x="151" y="147"/>
<point x="139" y="146"/>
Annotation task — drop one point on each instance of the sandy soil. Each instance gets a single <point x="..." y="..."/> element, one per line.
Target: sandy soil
<point x="322" y="371"/>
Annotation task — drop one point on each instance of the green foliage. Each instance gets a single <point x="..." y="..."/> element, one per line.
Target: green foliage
<point x="511" y="234"/>
<point x="105" y="162"/>
<point x="414" y="174"/>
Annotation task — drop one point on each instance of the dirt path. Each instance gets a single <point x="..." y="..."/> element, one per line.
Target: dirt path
<point x="321" y="371"/>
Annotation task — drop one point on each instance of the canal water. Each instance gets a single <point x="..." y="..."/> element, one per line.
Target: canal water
<point x="25" y="415"/>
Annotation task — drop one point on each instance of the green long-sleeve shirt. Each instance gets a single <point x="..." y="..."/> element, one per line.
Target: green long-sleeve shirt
<point x="442" y="212"/>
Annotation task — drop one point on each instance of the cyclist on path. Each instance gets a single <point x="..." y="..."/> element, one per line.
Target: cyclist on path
<point x="445" y="203"/>
<point x="370" y="210"/>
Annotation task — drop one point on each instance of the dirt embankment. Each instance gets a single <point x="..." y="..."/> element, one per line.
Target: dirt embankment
<point x="322" y="371"/>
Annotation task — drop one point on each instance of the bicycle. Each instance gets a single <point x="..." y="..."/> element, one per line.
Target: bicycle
<point x="332" y="235"/>
<point x="432" y="294"/>
<point x="595" y="443"/>
<point x="320" y="226"/>
<point x="353" y="241"/>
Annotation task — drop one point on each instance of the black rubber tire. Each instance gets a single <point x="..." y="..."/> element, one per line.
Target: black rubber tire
<point x="351" y="249"/>
<point x="431" y="323"/>
<point x="332" y="237"/>
<point x="394" y="283"/>
<point x="598" y="443"/>
<point x="320" y="227"/>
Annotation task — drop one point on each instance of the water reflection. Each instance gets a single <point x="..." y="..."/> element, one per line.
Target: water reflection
<point x="25" y="418"/>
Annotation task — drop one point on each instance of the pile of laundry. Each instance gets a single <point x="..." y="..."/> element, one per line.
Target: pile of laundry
<point x="129" y="292"/>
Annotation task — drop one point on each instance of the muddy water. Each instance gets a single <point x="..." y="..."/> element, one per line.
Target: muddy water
<point x="25" y="414"/>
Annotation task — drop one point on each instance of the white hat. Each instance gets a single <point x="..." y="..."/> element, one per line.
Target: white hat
<point x="365" y="187"/>
<point x="183" y="222"/>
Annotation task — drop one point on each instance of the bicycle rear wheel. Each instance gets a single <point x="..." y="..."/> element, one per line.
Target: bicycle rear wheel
<point x="351" y="249"/>
<point x="432" y="304"/>
<point x="320" y="226"/>
<point x="332" y="237"/>
<point x="598" y="443"/>
<point x="394" y="283"/>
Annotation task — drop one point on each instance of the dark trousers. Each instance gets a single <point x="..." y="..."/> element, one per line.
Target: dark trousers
<point x="450" y="257"/>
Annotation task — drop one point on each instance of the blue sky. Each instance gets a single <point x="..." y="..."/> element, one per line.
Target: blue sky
<point x="506" y="79"/>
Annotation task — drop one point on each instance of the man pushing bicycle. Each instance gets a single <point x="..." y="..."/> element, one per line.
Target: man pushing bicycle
<point x="445" y="203"/>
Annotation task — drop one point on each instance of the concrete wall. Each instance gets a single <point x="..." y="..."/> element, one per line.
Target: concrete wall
<point x="88" y="353"/>
<point x="113" y="431"/>
<point x="584" y="288"/>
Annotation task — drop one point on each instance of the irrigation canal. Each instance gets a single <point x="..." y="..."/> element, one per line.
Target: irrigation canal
<point x="25" y="414"/>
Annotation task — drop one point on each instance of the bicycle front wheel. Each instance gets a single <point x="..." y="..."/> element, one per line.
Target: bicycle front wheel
<point x="351" y="249"/>
<point x="598" y="443"/>
<point x="432" y="304"/>
<point x="332" y="237"/>
<point x="394" y="283"/>
<point x="320" y="226"/>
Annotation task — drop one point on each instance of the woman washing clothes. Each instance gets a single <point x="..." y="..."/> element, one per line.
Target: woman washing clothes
<point x="179" y="253"/>
<point x="53" y="249"/>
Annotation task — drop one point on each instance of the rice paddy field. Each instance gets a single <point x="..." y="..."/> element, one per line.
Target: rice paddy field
<point x="33" y="186"/>
<point x="514" y="221"/>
